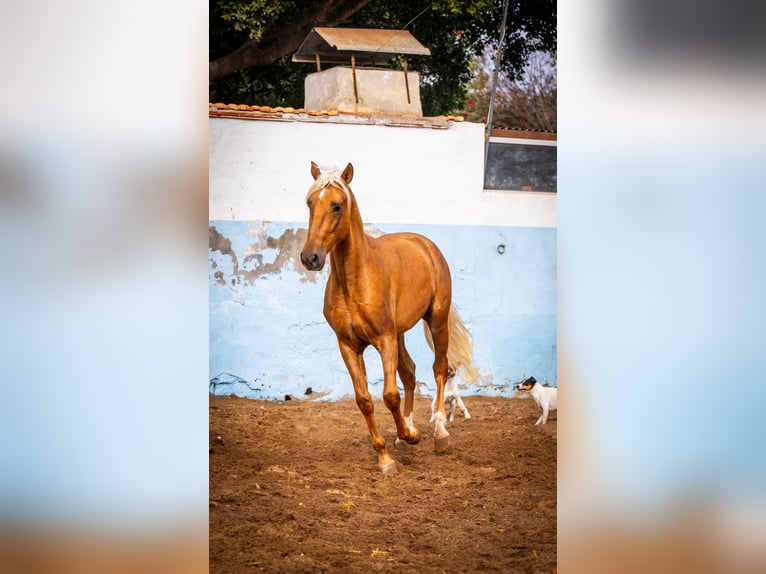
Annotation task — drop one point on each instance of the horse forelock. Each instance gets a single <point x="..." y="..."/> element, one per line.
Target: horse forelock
<point x="327" y="178"/>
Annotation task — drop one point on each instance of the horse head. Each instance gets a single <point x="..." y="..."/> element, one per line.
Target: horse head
<point x="329" y="203"/>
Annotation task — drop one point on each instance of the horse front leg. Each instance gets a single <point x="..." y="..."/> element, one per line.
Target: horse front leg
<point x="354" y="361"/>
<point x="388" y="349"/>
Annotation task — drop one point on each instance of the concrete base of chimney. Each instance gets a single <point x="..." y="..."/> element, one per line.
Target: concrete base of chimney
<point x="378" y="91"/>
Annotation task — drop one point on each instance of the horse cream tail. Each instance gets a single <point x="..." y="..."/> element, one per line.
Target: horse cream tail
<point x="460" y="350"/>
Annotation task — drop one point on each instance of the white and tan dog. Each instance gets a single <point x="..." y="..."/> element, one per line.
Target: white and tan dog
<point x="547" y="398"/>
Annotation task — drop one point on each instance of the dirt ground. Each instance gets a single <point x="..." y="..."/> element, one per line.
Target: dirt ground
<point x="294" y="487"/>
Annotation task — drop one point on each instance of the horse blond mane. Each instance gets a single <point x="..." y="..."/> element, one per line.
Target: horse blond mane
<point x="330" y="176"/>
<point x="460" y="350"/>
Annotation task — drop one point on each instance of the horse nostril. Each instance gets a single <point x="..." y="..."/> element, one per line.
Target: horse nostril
<point x="310" y="260"/>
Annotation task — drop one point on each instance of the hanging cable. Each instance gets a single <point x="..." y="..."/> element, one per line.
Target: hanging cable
<point x="426" y="9"/>
<point x="498" y="58"/>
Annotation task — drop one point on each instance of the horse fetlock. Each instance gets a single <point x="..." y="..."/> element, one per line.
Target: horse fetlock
<point x="439" y="418"/>
<point x="436" y="413"/>
<point x="408" y="434"/>
<point x="379" y="444"/>
<point x="440" y="429"/>
<point x="413" y="438"/>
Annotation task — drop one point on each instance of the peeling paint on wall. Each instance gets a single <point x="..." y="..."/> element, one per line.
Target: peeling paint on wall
<point x="287" y="246"/>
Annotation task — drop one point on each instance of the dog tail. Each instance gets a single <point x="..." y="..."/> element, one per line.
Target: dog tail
<point x="460" y="349"/>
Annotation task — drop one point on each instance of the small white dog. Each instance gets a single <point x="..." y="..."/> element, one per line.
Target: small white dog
<point x="547" y="398"/>
<point x="451" y="397"/>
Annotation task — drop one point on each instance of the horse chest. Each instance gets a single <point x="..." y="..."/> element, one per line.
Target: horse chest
<point x="359" y="321"/>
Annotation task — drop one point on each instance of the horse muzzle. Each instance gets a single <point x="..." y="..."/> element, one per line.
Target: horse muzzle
<point x="313" y="260"/>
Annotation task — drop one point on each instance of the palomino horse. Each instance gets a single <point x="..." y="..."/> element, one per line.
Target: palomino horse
<point x="378" y="289"/>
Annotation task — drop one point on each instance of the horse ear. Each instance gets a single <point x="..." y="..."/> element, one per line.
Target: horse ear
<point x="315" y="171"/>
<point x="348" y="173"/>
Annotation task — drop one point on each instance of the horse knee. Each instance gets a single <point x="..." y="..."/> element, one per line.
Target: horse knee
<point x="365" y="405"/>
<point x="391" y="399"/>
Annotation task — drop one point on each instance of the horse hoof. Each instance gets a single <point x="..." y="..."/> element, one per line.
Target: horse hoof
<point x="441" y="444"/>
<point x="389" y="469"/>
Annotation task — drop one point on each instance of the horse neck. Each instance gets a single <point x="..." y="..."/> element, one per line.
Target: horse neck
<point x="351" y="254"/>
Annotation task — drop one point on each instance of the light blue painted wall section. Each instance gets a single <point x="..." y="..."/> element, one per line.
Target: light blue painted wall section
<point x="268" y="337"/>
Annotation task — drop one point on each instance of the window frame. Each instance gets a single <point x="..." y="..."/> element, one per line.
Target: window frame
<point x="525" y="138"/>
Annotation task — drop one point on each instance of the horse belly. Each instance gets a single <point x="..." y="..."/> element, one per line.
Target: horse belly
<point x="409" y="314"/>
<point x="418" y="275"/>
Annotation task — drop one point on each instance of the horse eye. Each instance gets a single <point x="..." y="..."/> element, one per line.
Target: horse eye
<point x="308" y="204"/>
<point x="337" y="207"/>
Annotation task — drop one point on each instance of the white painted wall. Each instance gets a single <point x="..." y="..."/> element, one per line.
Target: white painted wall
<point x="259" y="170"/>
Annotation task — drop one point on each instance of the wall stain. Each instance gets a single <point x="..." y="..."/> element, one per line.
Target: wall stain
<point x="288" y="247"/>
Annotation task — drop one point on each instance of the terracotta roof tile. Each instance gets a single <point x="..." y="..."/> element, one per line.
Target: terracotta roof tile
<point x="288" y="113"/>
<point x="524" y="133"/>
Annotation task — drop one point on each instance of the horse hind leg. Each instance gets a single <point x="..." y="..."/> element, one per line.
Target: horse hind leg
<point x="406" y="370"/>
<point x="438" y="323"/>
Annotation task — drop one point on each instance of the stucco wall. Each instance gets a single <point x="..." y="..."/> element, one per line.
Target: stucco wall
<point x="378" y="89"/>
<point x="268" y="336"/>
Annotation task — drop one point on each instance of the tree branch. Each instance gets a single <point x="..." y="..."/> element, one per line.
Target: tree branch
<point x="276" y="43"/>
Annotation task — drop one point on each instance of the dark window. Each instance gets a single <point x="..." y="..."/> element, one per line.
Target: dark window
<point x="520" y="167"/>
